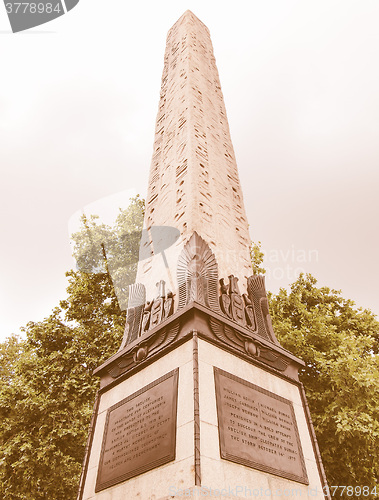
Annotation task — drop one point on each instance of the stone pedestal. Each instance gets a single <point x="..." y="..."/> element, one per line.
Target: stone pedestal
<point x="183" y="413"/>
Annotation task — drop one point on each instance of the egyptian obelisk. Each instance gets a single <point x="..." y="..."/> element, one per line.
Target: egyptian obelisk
<point x="201" y="399"/>
<point x="194" y="183"/>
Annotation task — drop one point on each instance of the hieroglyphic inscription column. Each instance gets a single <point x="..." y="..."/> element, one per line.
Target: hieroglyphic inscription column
<point x="194" y="184"/>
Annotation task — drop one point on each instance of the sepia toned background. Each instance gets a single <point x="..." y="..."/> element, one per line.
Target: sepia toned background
<point x="78" y="100"/>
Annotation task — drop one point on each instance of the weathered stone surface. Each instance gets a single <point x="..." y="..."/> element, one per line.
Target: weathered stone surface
<point x="194" y="184"/>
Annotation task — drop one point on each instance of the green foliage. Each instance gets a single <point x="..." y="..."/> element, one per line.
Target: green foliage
<point x="99" y="248"/>
<point x="10" y="350"/>
<point x="43" y="415"/>
<point x="47" y="388"/>
<point x="339" y="345"/>
<point x="257" y="256"/>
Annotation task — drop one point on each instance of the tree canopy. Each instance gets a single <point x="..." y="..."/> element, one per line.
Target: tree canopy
<point x="339" y="345"/>
<point x="47" y="388"/>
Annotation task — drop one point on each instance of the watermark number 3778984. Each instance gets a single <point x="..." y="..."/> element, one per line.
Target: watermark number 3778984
<point x="26" y="15"/>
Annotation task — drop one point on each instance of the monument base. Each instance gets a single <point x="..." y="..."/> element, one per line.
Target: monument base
<point x="192" y="419"/>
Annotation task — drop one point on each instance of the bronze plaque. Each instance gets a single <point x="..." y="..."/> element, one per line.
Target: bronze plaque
<point x="258" y="428"/>
<point x="140" y="432"/>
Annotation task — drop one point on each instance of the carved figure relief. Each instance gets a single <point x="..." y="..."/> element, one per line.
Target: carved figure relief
<point x="235" y="306"/>
<point x="137" y="297"/>
<point x="146" y="316"/>
<point x="197" y="274"/>
<point x="169" y="304"/>
<point x="224" y="298"/>
<point x="160" y="308"/>
<point x="267" y="317"/>
<point x="236" y="303"/>
<point x="157" y="310"/>
<point x="257" y="295"/>
<point x="249" y="312"/>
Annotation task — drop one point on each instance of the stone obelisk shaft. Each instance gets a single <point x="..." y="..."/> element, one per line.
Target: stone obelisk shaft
<point x="194" y="183"/>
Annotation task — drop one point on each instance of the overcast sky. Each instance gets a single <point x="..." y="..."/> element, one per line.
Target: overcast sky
<point x="78" y="100"/>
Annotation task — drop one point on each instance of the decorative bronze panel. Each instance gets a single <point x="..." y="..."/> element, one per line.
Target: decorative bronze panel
<point x="258" y="428"/>
<point x="140" y="432"/>
<point x="197" y="274"/>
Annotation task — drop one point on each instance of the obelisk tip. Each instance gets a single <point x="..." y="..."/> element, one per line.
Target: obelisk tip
<point x="187" y="16"/>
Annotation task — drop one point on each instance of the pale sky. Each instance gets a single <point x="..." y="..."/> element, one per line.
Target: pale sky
<point x="78" y="100"/>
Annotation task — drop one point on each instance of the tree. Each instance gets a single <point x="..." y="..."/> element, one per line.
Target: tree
<point x="100" y="249"/>
<point x="48" y="390"/>
<point x="257" y="256"/>
<point x="41" y="414"/>
<point x="339" y="345"/>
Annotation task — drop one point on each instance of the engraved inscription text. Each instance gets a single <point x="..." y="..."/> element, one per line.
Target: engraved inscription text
<point x="258" y="428"/>
<point x="139" y="433"/>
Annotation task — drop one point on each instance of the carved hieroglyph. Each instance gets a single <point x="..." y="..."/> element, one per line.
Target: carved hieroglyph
<point x="194" y="184"/>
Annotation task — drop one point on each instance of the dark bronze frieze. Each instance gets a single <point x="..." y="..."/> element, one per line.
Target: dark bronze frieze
<point x="210" y="326"/>
<point x="198" y="281"/>
<point x="197" y="274"/>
